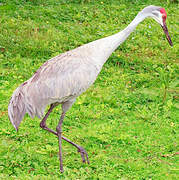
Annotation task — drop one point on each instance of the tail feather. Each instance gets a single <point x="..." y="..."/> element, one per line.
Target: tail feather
<point x="16" y="108"/>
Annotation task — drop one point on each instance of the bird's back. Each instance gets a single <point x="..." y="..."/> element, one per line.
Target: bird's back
<point x="65" y="76"/>
<point x="60" y="79"/>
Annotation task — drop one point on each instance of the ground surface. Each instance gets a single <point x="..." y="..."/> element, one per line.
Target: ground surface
<point x="127" y="121"/>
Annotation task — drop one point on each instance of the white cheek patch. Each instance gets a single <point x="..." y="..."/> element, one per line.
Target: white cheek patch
<point x="161" y="19"/>
<point x="158" y="17"/>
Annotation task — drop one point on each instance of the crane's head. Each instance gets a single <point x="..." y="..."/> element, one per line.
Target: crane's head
<point x="160" y="15"/>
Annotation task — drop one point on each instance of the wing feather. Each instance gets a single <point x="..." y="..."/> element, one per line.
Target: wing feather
<point x="60" y="78"/>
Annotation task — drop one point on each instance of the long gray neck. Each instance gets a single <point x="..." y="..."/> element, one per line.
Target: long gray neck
<point x="120" y="37"/>
<point x="104" y="47"/>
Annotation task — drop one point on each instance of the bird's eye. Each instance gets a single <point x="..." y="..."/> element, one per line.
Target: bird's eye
<point x="164" y="17"/>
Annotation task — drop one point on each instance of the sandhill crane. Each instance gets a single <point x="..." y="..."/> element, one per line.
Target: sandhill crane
<point x="63" y="78"/>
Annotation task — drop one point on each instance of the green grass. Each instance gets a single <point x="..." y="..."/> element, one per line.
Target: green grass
<point x="127" y="121"/>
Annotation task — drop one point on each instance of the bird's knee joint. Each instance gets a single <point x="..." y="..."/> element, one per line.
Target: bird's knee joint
<point x="43" y="125"/>
<point x="59" y="130"/>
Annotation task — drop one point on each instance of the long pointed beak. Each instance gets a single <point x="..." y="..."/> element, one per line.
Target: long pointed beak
<point x="164" y="27"/>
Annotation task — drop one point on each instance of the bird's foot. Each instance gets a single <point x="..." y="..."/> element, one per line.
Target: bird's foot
<point x="61" y="170"/>
<point x="84" y="154"/>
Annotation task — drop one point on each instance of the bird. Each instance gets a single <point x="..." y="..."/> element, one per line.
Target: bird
<point x="61" y="79"/>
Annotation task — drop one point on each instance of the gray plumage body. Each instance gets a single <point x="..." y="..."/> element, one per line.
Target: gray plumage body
<point x="63" y="78"/>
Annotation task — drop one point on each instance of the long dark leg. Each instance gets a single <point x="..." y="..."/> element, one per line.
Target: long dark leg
<point x="43" y="125"/>
<point x="43" y="122"/>
<point x="59" y="133"/>
<point x="81" y="150"/>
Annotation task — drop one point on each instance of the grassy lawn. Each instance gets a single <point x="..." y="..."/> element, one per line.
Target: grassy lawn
<point x="127" y="120"/>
